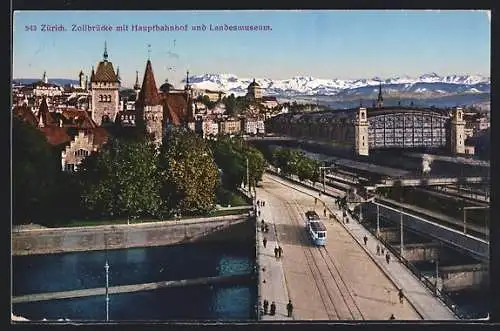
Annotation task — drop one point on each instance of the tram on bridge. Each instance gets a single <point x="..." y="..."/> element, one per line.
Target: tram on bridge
<point x="315" y="228"/>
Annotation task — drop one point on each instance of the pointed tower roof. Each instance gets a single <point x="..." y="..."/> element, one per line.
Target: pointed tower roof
<point x="105" y="55"/>
<point x="81" y="73"/>
<point x="44" y="116"/>
<point x="118" y="73"/>
<point x="380" y="98"/>
<point x="148" y="96"/>
<point x="136" y="85"/>
<point x="92" y="75"/>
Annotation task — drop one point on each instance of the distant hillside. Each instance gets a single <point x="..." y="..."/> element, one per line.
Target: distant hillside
<point x="57" y="81"/>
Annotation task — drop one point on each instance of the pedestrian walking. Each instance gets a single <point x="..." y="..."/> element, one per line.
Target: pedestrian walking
<point x="289" y="308"/>
<point x="259" y="212"/>
<point x="266" y="306"/>
<point x="365" y="239"/>
<point x="324" y="212"/>
<point x="280" y="251"/>
<point x="264" y="241"/>
<point x="276" y="252"/>
<point x="401" y="296"/>
<point x="392" y="317"/>
<point x="272" y="312"/>
<point x="378" y="249"/>
<point x="382" y="249"/>
<point x="266" y="228"/>
<point x="258" y="203"/>
<point x="387" y="257"/>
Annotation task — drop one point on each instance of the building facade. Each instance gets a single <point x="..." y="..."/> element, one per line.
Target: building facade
<point x="104" y="86"/>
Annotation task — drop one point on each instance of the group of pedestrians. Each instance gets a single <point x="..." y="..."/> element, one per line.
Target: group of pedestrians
<point x="272" y="308"/>
<point x="264" y="227"/>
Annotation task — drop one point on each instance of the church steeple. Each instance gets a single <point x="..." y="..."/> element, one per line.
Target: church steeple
<point x="187" y="80"/>
<point x="380" y="99"/>
<point x="105" y="55"/>
<point x="136" y="85"/>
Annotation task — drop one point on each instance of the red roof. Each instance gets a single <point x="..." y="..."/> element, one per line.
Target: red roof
<point x="44" y="114"/>
<point x="177" y="109"/>
<point x="99" y="136"/>
<point x="77" y="118"/>
<point x="56" y="135"/>
<point x="148" y="96"/>
<point x="104" y="73"/>
<point x="24" y="112"/>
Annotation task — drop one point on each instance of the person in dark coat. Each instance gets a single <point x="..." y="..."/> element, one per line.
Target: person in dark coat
<point x="289" y="308"/>
<point x="272" y="312"/>
<point x="276" y="252"/>
<point x="387" y="257"/>
<point x="378" y="249"/>
<point x="280" y="251"/>
<point x="365" y="239"/>
<point x="401" y="296"/>
<point x="264" y="241"/>
<point x="266" y="228"/>
<point x="266" y="306"/>
<point x="392" y="317"/>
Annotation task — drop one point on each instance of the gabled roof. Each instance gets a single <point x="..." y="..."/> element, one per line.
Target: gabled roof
<point x="175" y="108"/>
<point x="77" y="118"/>
<point x="105" y="73"/>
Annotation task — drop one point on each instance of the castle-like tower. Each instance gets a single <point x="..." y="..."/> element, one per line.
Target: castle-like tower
<point x="361" y="132"/>
<point x="457" y="139"/>
<point x="149" y="108"/>
<point x="104" y="85"/>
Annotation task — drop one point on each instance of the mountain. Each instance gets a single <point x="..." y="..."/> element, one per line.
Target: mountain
<point x="427" y="86"/>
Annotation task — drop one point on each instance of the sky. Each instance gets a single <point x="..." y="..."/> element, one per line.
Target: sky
<point x="323" y="44"/>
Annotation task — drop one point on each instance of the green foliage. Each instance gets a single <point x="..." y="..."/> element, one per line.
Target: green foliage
<point x="231" y="155"/>
<point x="206" y="101"/>
<point x="296" y="163"/>
<point x="122" y="180"/>
<point x="188" y="173"/>
<point x="35" y="166"/>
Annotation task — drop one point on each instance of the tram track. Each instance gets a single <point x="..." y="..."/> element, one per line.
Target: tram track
<point x="334" y="285"/>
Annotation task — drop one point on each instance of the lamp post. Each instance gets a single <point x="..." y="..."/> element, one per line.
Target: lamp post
<point x="378" y="221"/>
<point x="401" y="232"/>
<point x="323" y="170"/>
<point x="106" y="268"/>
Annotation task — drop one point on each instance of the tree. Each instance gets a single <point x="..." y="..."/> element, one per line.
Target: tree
<point x="188" y="173"/>
<point x="35" y="166"/>
<point x="122" y="180"/>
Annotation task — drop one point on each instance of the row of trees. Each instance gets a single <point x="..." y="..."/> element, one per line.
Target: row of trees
<point x="128" y="177"/>
<point x="293" y="162"/>
<point x="231" y="156"/>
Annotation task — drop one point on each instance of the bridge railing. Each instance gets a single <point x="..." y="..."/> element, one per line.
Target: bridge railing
<point x="432" y="286"/>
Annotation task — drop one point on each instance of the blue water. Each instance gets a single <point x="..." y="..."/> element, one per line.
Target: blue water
<point x="71" y="271"/>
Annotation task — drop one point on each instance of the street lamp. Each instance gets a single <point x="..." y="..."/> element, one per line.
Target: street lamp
<point x="106" y="268"/>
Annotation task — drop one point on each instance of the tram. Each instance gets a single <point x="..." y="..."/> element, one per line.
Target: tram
<point x="315" y="228"/>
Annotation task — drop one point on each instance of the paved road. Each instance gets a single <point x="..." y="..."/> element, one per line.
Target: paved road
<point x="338" y="282"/>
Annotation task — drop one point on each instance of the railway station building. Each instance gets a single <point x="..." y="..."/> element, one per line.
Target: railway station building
<point x="363" y="129"/>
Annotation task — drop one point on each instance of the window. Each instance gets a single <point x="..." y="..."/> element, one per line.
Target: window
<point x="69" y="167"/>
<point x="81" y="152"/>
<point x="321" y="235"/>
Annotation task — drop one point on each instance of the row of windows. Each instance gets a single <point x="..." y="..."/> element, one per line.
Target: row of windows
<point x="104" y="98"/>
<point x="82" y="152"/>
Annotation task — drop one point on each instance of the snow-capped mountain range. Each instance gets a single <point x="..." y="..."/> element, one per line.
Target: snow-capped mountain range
<point x="430" y="85"/>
